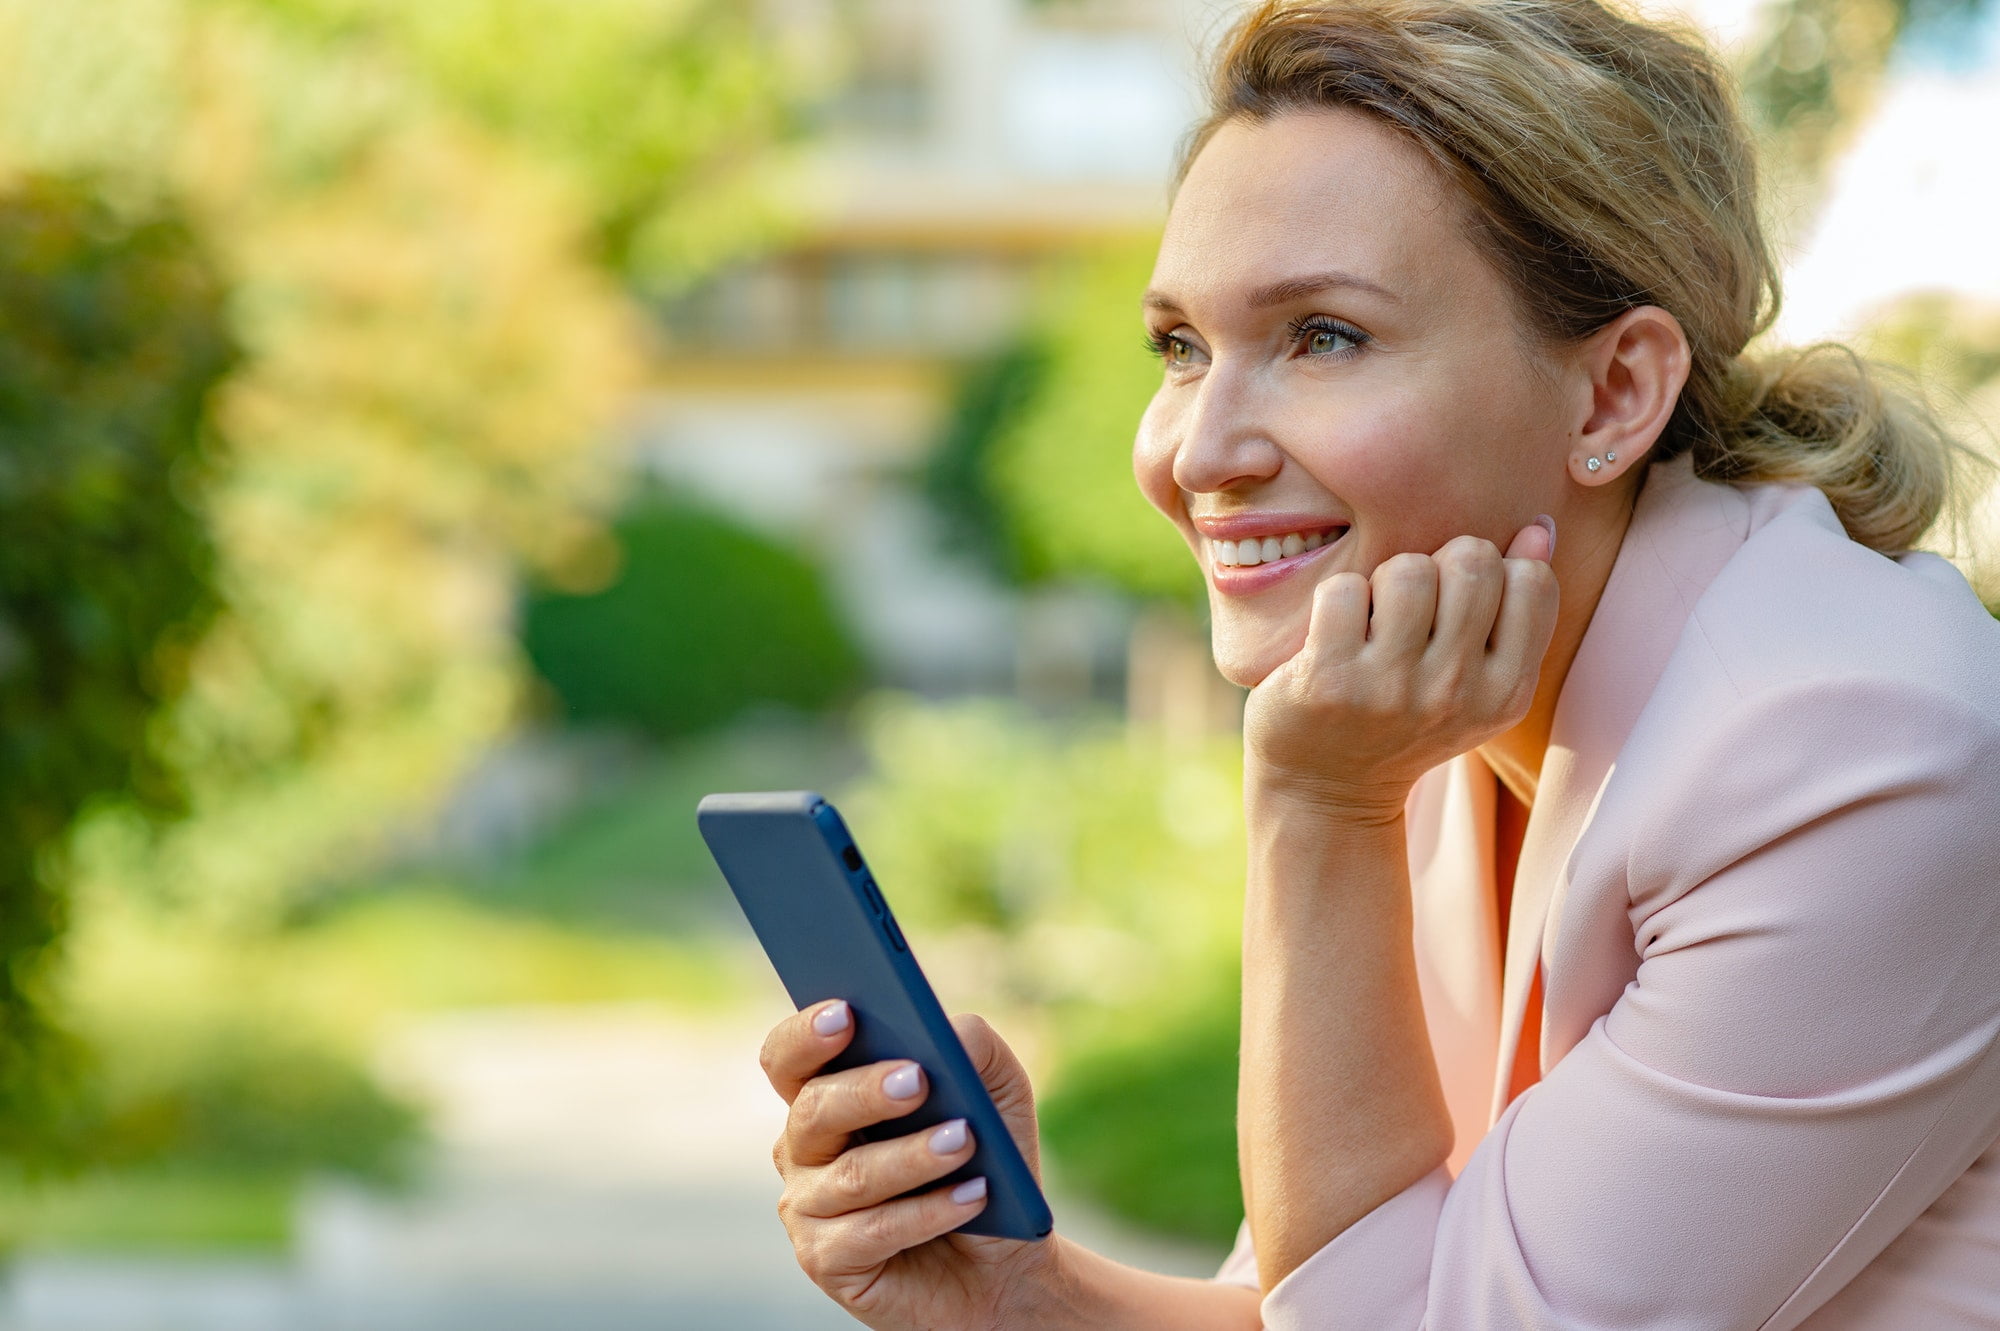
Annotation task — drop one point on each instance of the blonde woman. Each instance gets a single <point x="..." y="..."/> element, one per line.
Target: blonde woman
<point x="1622" y="920"/>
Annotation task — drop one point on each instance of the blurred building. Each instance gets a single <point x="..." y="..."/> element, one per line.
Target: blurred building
<point x="969" y="142"/>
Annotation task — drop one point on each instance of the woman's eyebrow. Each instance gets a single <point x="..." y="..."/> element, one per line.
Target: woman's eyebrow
<point x="1287" y="289"/>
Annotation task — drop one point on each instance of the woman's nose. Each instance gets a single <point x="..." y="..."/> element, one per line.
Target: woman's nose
<point x="1222" y="442"/>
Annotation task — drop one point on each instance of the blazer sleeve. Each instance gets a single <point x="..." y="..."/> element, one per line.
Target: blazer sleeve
<point x="1804" y="1063"/>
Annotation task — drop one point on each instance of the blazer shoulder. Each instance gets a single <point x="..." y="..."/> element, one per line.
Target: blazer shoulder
<point x="1800" y="602"/>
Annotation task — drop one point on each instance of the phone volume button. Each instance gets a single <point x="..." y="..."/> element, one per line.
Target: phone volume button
<point x="895" y="934"/>
<point x="874" y="897"/>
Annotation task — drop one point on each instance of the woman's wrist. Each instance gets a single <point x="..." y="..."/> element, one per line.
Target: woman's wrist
<point x="1332" y="802"/>
<point x="1087" y="1291"/>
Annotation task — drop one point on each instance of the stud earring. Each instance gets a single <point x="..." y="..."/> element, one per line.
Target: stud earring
<point x="1592" y="464"/>
<point x="1610" y="456"/>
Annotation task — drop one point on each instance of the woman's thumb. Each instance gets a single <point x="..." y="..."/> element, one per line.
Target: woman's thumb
<point x="1537" y="540"/>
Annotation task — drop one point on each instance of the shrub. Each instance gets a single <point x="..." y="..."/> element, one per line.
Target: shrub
<point x="706" y="619"/>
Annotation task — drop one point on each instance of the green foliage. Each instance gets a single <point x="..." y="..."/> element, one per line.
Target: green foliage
<point x="665" y="114"/>
<point x="1064" y="837"/>
<point x="431" y="365"/>
<point x="956" y="476"/>
<point x="628" y="859"/>
<point x="1813" y="71"/>
<point x="241" y="1095"/>
<point x="164" y="1210"/>
<point x="1093" y="875"/>
<point x="1060" y="462"/>
<point x="111" y="338"/>
<point x="1145" y="1121"/>
<point x="706" y="619"/>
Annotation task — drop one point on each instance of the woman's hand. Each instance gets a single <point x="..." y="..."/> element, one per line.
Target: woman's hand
<point x="1430" y="657"/>
<point x="894" y="1264"/>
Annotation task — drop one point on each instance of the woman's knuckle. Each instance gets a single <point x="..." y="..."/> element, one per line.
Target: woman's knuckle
<point x="1407" y="568"/>
<point x="864" y="1100"/>
<point x="767" y="1055"/>
<point x="877" y="1229"/>
<point x="809" y="1248"/>
<point x="1468" y="555"/>
<point x="847" y="1178"/>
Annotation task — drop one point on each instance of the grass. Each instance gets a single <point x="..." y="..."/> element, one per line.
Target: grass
<point x="629" y="857"/>
<point x="1146" y="1124"/>
<point x="232" y="1065"/>
<point x="165" y="1210"/>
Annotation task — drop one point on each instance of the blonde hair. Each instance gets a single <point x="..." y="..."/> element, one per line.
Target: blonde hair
<point x="1607" y="167"/>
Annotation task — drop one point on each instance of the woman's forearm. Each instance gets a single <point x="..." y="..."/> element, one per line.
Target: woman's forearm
<point x="1105" y="1295"/>
<point x="1339" y="1105"/>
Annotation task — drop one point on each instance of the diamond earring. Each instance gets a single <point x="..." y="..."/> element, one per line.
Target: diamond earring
<point x="1592" y="464"/>
<point x="1609" y="456"/>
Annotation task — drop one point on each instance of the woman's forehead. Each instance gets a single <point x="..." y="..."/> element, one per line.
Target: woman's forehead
<point x="1306" y="194"/>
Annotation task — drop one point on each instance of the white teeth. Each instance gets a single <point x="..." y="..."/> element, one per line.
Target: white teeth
<point x="1253" y="551"/>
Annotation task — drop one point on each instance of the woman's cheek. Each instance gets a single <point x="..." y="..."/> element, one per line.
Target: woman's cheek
<point x="1153" y="459"/>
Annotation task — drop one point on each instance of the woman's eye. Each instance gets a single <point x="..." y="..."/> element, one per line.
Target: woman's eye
<point x="1322" y="338"/>
<point x="1171" y="348"/>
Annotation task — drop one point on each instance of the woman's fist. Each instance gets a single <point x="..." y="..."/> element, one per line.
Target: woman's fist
<point x="1428" y="657"/>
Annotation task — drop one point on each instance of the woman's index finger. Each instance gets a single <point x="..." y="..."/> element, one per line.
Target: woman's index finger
<point x="799" y="1046"/>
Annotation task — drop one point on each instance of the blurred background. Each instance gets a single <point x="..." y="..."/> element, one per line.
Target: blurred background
<point x="441" y="441"/>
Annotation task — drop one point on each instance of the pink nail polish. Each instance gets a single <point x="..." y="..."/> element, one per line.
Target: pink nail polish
<point x="970" y="1191"/>
<point x="831" y="1019"/>
<point x="902" y="1083"/>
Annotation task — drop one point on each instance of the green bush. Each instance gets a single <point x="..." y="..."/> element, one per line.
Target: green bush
<point x="111" y="338"/>
<point x="705" y="620"/>
<point x="1094" y="874"/>
<point x="244" y="1096"/>
<point x="1145" y="1122"/>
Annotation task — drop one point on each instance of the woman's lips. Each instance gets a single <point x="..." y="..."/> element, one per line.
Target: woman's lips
<point x="1239" y="580"/>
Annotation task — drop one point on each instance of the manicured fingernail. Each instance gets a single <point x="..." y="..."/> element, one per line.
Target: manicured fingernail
<point x="970" y="1191"/>
<point x="831" y="1019"/>
<point x="902" y="1083"/>
<point x="1547" y="524"/>
<point x="949" y="1137"/>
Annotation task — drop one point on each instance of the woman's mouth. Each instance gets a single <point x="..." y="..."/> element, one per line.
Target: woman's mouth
<point x="1254" y="563"/>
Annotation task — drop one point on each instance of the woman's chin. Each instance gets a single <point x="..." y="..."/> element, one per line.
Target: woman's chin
<point x="1245" y="664"/>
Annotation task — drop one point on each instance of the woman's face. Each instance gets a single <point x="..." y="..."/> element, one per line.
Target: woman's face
<point x="1341" y="367"/>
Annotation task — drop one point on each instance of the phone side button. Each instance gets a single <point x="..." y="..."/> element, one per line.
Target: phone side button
<point x="874" y="897"/>
<point x="895" y="934"/>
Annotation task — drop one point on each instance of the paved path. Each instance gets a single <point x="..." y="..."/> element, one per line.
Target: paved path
<point x="597" y="1170"/>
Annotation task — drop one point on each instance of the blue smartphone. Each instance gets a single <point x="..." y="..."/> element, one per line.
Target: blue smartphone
<point x="817" y="910"/>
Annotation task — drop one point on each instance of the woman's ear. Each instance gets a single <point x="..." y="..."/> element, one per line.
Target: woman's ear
<point x="1635" y="366"/>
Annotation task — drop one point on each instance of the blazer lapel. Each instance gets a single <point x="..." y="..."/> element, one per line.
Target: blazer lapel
<point x="1682" y="532"/>
<point x="1455" y="917"/>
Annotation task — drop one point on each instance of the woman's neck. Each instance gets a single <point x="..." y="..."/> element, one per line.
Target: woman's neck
<point x="1586" y="549"/>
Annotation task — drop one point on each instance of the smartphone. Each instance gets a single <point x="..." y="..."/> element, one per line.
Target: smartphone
<point x="824" y="924"/>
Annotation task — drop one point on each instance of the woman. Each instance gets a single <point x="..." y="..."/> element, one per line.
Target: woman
<point x="1622" y="921"/>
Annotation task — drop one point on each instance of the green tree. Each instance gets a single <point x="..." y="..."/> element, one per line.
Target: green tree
<point x="1036" y="466"/>
<point x="112" y="336"/>
<point x="666" y="117"/>
<point x="413" y="208"/>
<point x="1815" y="67"/>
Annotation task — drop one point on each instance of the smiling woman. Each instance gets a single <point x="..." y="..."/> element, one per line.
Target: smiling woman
<point x="1620" y="944"/>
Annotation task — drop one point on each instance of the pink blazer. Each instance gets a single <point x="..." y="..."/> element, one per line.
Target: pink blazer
<point x="1761" y="883"/>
